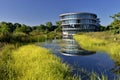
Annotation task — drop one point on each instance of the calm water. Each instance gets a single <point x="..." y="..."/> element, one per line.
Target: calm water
<point x="71" y="53"/>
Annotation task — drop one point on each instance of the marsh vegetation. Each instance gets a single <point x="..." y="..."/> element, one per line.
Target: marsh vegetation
<point x="32" y="62"/>
<point x="102" y="41"/>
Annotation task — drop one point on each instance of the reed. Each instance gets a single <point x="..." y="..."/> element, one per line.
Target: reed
<point x="32" y="62"/>
<point x="95" y="44"/>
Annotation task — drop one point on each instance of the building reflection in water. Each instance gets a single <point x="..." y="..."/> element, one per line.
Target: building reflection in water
<point x="70" y="47"/>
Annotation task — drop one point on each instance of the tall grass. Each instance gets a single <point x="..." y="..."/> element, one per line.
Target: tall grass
<point x="31" y="62"/>
<point x="95" y="44"/>
<point x="5" y="57"/>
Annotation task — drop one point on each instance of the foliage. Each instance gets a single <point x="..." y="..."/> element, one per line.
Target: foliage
<point x="31" y="62"/>
<point x="25" y="29"/>
<point x="5" y="27"/>
<point x="102" y="28"/>
<point x="116" y="16"/>
<point x="41" y="28"/>
<point x="12" y="33"/>
<point x="20" y="37"/>
<point x="59" y="24"/>
<point x="115" y="25"/>
<point x="49" y="26"/>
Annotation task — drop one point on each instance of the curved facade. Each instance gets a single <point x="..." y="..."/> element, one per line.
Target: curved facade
<point x="73" y="23"/>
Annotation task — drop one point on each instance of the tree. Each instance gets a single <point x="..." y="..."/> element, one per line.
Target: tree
<point x="34" y="27"/>
<point x="116" y="16"/>
<point x="5" y="32"/>
<point x="102" y="28"/>
<point x="41" y="28"/>
<point x="24" y="29"/>
<point x="59" y="23"/>
<point x="11" y="26"/>
<point x="4" y="29"/>
<point x="49" y="26"/>
<point x="115" y="25"/>
<point x="116" y="21"/>
<point x="17" y="25"/>
<point x="59" y="26"/>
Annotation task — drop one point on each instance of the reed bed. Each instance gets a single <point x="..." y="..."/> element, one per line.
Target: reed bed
<point x="93" y="43"/>
<point x="32" y="62"/>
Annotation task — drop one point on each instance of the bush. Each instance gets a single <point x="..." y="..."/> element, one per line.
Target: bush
<point x="20" y="37"/>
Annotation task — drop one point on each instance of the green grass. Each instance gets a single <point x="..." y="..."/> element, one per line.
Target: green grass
<point x="32" y="62"/>
<point x="97" y="41"/>
<point x="96" y="44"/>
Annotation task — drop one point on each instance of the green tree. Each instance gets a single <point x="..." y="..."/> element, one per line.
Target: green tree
<point x="59" y="23"/>
<point x="4" y="29"/>
<point x="34" y="28"/>
<point x="11" y="26"/>
<point x="17" y="25"/>
<point x="116" y="16"/>
<point x="49" y="26"/>
<point x="41" y="28"/>
<point x="115" y="25"/>
<point x="59" y="26"/>
<point x="116" y="21"/>
<point x="102" y="28"/>
<point x="24" y="29"/>
<point x="5" y="32"/>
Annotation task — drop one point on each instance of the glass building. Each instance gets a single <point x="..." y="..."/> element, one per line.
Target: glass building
<point x="73" y="23"/>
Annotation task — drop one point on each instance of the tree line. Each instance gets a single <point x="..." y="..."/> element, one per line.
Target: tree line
<point x="17" y="32"/>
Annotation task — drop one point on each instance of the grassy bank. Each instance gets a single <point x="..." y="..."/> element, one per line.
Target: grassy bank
<point x="31" y="62"/>
<point x="98" y="42"/>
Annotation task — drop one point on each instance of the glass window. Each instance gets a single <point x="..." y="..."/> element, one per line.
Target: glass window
<point x="78" y="21"/>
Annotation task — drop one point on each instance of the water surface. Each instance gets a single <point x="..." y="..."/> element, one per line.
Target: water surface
<point x="71" y="53"/>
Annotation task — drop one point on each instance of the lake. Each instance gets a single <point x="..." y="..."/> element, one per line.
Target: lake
<point x="83" y="62"/>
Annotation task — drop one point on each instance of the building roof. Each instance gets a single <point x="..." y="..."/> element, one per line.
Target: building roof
<point x="77" y="13"/>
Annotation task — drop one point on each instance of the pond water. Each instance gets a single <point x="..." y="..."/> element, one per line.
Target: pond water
<point x="71" y="53"/>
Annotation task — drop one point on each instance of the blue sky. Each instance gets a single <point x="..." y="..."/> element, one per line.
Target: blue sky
<point x="35" y="12"/>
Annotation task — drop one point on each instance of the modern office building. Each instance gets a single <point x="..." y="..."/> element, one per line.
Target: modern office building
<point x="73" y="23"/>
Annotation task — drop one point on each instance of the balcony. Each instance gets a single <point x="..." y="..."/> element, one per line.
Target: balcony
<point x="68" y="24"/>
<point x="77" y="18"/>
<point x="72" y="28"/>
